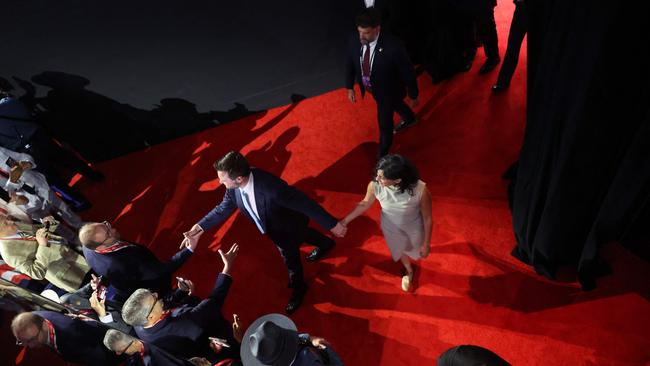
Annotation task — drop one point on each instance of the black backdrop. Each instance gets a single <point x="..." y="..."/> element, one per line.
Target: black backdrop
<point x="134" y="69"/>
<point x="584" y="171"/>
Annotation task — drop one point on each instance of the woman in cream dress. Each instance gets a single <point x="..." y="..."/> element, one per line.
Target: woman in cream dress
<point x="405" y="211"/>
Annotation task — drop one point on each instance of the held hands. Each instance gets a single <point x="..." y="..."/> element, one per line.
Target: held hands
<point x="339" y="230"/>
<point x="191" y="238"/>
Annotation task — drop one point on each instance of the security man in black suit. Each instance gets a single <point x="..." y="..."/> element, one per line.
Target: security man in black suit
<point x="381" y="66"/>
<point x="76" y="339"/>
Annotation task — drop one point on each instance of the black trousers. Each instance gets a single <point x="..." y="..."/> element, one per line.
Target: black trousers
<point x="518" y="29"/>
<point x="385" y="111"/>
<point x="290" y="251"/>
<point x="486" y="29"/>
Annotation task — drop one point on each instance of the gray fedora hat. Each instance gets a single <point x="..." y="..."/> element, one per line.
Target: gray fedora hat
<point x="271" y="340"/>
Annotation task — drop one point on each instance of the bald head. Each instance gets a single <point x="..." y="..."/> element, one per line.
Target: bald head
<point x="28" y="329"/>
<point x="93" y="234"/>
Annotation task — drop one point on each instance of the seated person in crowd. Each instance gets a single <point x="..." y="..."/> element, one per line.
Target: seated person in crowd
<point x="75" y="339"/>
<point x="126" y="266"/>
<point x="33" y="250"/>
<point x="30" y="191"/>
<point x="288" y="347"/>
<point x="185" y="331"/>
<point x="140" y="353"/>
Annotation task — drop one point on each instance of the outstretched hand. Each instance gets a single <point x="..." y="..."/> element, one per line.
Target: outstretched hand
<point x="228" y="258"/>
<point x="237" y="328"/>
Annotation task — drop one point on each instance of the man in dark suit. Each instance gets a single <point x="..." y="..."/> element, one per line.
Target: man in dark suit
<point x="75" y="339"/>
<point x="126" y="266"/>
<point x="381" y="66"/>
<point x="185" y="331"/>
<point x="141" y="353"/>
<point x="277" y="209"/>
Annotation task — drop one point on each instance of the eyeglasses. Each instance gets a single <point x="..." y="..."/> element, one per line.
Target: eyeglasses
<point x="156" y="299"/>
<point x="126" y="348"/>
<point x="108" y="227"/>
<point x="30" y="340"/>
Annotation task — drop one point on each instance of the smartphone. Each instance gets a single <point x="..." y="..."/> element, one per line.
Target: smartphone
<point x="11" y="162"/>
<point x="182" y="284"/>
<point x="219" y="341"/>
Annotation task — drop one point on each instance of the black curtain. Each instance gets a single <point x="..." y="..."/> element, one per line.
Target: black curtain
<point x="583" y="177"/>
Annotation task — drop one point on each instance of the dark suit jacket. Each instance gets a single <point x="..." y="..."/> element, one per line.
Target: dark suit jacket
<point x="392" y="75"/>
<point x="134" y="267"/>
<point x="154" y="356"/>
<point x="185" y="330"/>
<point x="80" y="341"/>
<point x="284" y="211"/>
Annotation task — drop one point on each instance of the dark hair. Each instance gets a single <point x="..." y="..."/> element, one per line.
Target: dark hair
<point x="234" y="164"/>
<point x="398" y="167"/>
<point x="369" y="18"/>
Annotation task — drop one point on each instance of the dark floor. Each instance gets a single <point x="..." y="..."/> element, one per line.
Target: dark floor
<point x="162" y="69"/>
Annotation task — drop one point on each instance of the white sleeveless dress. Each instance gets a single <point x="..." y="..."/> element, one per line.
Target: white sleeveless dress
<point x="401" y="220"/>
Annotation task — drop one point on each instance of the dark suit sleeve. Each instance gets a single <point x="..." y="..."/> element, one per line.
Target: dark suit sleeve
<point x="290" y="197"/>
<point x="206" y="311"/>
<point x="220" y="212"/>
<point x="406" y="70"/>
<point x="177" y="261"/>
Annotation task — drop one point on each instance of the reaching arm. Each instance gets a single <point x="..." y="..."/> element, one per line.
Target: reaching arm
<point x="362" y="206"/>
<point x="425" y="211"/>
<point x="294" y="199"/>
<point x="220" y="212"/>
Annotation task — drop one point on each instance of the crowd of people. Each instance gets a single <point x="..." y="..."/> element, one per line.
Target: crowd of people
<point x="123" y="305"/>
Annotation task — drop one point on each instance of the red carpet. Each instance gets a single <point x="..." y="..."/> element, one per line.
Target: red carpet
<point x="470" y="290"/>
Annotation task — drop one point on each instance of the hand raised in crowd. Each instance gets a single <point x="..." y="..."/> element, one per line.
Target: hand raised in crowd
<point x="185" y="285"/>
<point x="228" y="258"/>
<point x="237" y="328"/>
<point x="319" y="343"/>
<point x="41" y="236"/>
<point x="339" y="230"/>
<point x="98" y="305"/>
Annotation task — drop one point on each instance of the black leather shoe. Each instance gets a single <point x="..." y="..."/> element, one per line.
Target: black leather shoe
<point x="489" y="65"/>
<point x="318" y="253"/>
<point x="404" y="125"/>
<point x="497" y="88"/>
<point x="296" y="298"/>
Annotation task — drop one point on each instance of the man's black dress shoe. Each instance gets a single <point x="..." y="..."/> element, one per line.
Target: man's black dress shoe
<point x="497" y="88"/>
<point x="404" y="125"/>
<point x="489" y="65"/>
<point x="318" y="253"/>
<point x="296" y="298"/>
